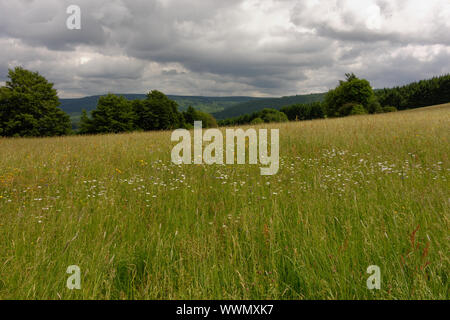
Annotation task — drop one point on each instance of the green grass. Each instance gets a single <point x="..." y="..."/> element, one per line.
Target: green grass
<point x="351" y="192"/>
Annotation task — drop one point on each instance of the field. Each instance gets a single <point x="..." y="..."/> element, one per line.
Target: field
<point x="350" y="193"/>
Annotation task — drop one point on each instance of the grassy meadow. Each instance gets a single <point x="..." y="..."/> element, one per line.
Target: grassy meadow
<point x="350" y="193"/>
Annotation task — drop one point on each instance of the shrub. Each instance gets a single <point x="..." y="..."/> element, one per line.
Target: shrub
<point x="272" y="115"/>
<point x="191" y="115"/>
<point x="257" y="121"/>
<point x="358" y="109"/>
<point x="389" y="109"/>
<point x="374" y="106"/>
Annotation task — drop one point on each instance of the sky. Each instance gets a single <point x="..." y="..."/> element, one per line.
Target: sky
<point x="225" y="47"/>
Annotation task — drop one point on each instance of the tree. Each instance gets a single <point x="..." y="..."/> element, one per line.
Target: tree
<point x="257" y="121"/>
<point x="29" y="106"/>
<point x="357" y="109"/>
<point x="207" y="119"/>
<point x="161" y="112"/>
<point x="308" y="111"/>
<point x="272" y="115"/>
<point x="352" y="90"/>
<point x="85" y="123"/>
<point x="113" y="114"/>
<point x="191" y="115"/>
<point x="117" y="114"/>
<point x="266" y="115"/>
<point x="145" y="118"/>
<point x="374" y="106"/>
<point x="417" y="94"/>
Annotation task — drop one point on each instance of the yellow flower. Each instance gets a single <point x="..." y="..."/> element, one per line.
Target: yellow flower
<point x="118" y="171"/>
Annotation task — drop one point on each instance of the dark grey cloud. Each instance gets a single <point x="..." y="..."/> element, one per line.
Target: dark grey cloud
<point x="39" y="23"/>
<point x="233" y="47"/>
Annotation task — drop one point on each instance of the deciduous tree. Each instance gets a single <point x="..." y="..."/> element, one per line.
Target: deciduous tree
<point x="29" y="106"/>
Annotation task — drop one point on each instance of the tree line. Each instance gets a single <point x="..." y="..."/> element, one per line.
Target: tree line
<point x="116" y="114"/>
<point x="29" y="107"/>
<point x="354" y="96"/>
<point x="264" y="116"/>
<point x="417" y="94"/>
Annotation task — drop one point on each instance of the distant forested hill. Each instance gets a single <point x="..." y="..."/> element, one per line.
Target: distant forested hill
<point x="76" y="105"/>
<point x="259" y="104"/>
<point x="206" y="104"/>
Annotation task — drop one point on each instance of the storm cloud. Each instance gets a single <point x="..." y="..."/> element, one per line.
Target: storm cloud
<point x="233" y="47"/>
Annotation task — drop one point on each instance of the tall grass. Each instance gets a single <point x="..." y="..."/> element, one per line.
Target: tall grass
<point x="351" y="192"/>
